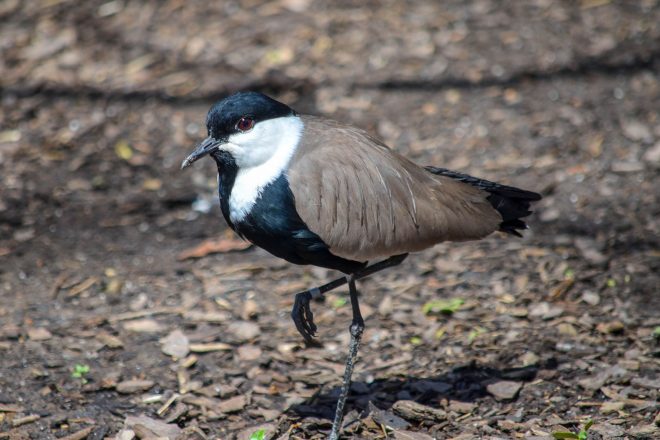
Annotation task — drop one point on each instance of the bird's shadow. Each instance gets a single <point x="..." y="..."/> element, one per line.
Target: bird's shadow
<point x="465" y="384"/>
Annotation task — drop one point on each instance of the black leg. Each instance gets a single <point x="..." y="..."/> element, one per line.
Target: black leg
<point x="356" y="329"/>
<point x="302" y="313"/>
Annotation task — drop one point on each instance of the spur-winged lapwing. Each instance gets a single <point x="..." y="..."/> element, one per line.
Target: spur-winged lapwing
<point x="314" y="191"/>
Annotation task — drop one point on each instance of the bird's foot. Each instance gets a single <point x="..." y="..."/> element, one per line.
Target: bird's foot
<point x="302" y="314"/>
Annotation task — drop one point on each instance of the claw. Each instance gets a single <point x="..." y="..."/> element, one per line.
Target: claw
<point x="303" y="317"/>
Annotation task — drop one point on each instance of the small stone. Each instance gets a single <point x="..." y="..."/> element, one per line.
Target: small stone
<point x="636" y="131"/>
<point x="39" y="334"/>
<point x="652" y="155"/>
<point x="243" y="331"/>
<point x="385" y="307"/>
<point x="610" y="327"/>
<point x="249" y="352"/>
<point x="250" y="309"/>
<point x="529" y="358"/>
<point x="387" y="418"/>
<point x="175" y="344"/>
<point x="566" y="329"/>
<point x="134" y="386"/>
<point x="125" y="434"/>
<point x="504" y="389"/>
<point x="545" y="311"/>
<point x="591" y="298"/>
<point x="235" y="404"/>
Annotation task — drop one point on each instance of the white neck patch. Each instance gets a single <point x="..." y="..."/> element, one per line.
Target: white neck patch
<point x="262" y="155"/>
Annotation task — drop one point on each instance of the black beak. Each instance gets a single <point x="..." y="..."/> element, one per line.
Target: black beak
<point x="207" y="146"/>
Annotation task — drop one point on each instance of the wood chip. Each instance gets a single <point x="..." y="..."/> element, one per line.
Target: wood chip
<point x="19" y="421"/>
<point x="109" y="340"/>
<point x="80" y="288"/>
<point x="233" y="404"/>
<point x="134" y="386"/>
<point x="161" y="429"/>
<point x="79" y="435"/>
<point x="411" y="410"/>
<point x="214" y="346"/>
<point x="143" y="326"/>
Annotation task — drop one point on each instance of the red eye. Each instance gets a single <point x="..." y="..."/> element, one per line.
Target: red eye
<point x="245" y="124"/>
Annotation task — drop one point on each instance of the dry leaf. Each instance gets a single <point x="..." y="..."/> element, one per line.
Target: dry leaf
<point x="214" y="246"/>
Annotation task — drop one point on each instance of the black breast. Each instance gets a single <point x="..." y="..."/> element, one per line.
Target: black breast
<point x="273" y="223"/>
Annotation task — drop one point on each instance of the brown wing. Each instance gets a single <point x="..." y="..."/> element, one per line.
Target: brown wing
<point x="366" y="201"/>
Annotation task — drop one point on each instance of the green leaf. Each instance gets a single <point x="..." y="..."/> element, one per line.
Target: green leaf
<point x="79" y="370"/>
<point x="588" y="425"/>
<point x="443" y="306"/>
<point x="416" y="340"/>
<point x="339" y="302"/>
<point x="475" y="333"/>
<point x="259" y="434"/>
<point x="123" y="150"/>
<point x="656" y="332"/>
<point x="564" y="434"/>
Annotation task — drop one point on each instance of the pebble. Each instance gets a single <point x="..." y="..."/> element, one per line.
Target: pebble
<point x="504" y="389"/>
<point x="176" y="344"/>
<point x="636" y="131"/>
<point x="249" y="352"/>
<point x="243" y="331"/>
<point x="652" y="155"/>
<point x="545" y="311"/>
<point x="39" y="334"/>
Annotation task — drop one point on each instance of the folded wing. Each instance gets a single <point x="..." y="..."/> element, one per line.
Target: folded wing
<point x="366" y="201"/>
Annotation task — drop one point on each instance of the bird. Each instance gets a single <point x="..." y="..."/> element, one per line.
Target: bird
<point x="314" y="191"/>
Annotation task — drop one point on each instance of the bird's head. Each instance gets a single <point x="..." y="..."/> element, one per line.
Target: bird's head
<point x="248" y="126"/>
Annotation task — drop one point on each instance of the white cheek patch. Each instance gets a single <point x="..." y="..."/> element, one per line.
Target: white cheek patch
<point x="262" y="155"/>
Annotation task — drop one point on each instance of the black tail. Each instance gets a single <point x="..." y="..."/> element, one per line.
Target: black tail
<point x="512" y="203"/>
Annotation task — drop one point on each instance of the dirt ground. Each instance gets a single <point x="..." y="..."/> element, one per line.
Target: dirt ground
<point x="108" y="331"/>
